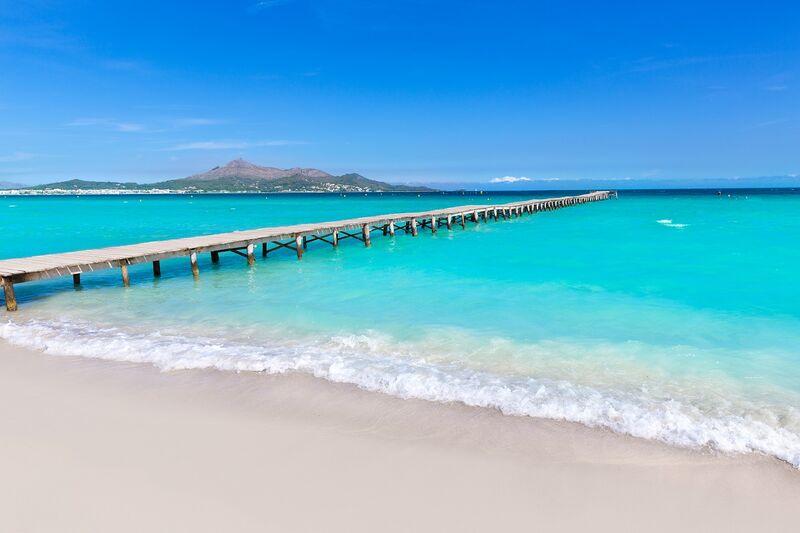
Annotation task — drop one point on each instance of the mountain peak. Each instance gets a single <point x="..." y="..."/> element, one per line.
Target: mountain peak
<point x="239" y="162"/>
<point x="246" y="171"/>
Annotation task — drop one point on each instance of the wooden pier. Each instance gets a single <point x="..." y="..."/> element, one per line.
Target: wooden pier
<point x="244" y="243"/>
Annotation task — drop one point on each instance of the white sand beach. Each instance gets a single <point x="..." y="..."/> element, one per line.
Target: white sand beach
<point x="90" y="445"/>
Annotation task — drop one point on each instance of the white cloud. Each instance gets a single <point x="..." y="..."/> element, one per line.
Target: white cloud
<point x="196" y="121"/>
<point x="128" y="126"/>
<point x="107" y="123"/>
<point x="229" y="145"/>
<point x="266" y="4"/>
<point x="509" y="179"/>
<point x="16" y="156"/>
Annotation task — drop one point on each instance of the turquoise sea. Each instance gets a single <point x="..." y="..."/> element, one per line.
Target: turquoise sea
<point x="672" y="315"/>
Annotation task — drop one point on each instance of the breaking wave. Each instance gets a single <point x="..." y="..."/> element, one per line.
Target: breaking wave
<point x="370" y="362"/>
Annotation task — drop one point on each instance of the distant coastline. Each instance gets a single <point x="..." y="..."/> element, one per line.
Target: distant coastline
<point x="237" y="176"/>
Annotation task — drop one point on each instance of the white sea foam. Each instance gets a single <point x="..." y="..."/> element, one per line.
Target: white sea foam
<point x="365" y="361"/>
<point x="670" y="224"/>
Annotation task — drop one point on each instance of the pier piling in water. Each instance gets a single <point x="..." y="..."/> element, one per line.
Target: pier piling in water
<point x="194" y="265"/>
<point x="296" y="237"/>
<point x="251" y="257"/>
<point x="365" y="235"/>
<point x="8" y="290"/>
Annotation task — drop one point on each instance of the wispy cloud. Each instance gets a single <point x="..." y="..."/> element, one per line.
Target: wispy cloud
<point x="196" y="121"/>
<point x="229" y="145"/>
<point x="651" y="64"/>
<point x="41" y="36"/>
<point x="776" y="88"/>
<point x="107" y="123"/>
<point x="774" y="122"/>
<point x="654" y="64"/>
<point x="509" y="179"/>
<point x="125" y="65"/>
<point x="16" y="156"/>
<point x="266" y="4"/>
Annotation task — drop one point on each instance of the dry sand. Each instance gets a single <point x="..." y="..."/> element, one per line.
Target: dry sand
<point x="102" y="446"/>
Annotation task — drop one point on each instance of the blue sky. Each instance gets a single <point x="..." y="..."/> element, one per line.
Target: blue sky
<point x="406" y="91"/>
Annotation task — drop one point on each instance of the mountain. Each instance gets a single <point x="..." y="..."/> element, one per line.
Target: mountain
<point x="10" y="185"/>
<point x="239" y="168"/>
<point x="242" y="176"/>
<point x="84" y="185"/>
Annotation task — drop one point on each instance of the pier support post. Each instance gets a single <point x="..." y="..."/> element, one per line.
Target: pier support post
<point x="195" y="267"/>
<point x="157" y="269"/>
<point x="434" y="223"/>
<point x="298" y="243"/>
<point x="414" y="231"/>
<point x="126" y="280"/>
<point x="462" y="216"/>
<point x="475" y="217"/>
<point x="365" y="234"/>
<point x="264" y="249"/>
<point x="305" y="242"/>
<point x="335" y="237"/>
<point x="11" y="299"/>
<point x="391" y="228"/>
<point x="76" y="279"/>
<point x="251" y="256"/>
<point x="449" y="221"/>
<point x="215" y="257"/>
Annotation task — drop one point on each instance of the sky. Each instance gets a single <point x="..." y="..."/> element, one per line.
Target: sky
<point x="474" y="92"/>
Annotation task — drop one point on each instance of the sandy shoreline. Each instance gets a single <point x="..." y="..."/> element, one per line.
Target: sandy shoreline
<point x="105" y="446"/>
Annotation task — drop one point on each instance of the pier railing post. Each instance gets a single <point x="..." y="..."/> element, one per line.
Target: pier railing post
<point x="11" y="298"/>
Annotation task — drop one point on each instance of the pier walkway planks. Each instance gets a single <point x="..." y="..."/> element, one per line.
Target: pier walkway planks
<point x="295" y="237"/>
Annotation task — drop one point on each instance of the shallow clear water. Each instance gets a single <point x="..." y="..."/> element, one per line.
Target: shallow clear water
<point x="670" y="316"/>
